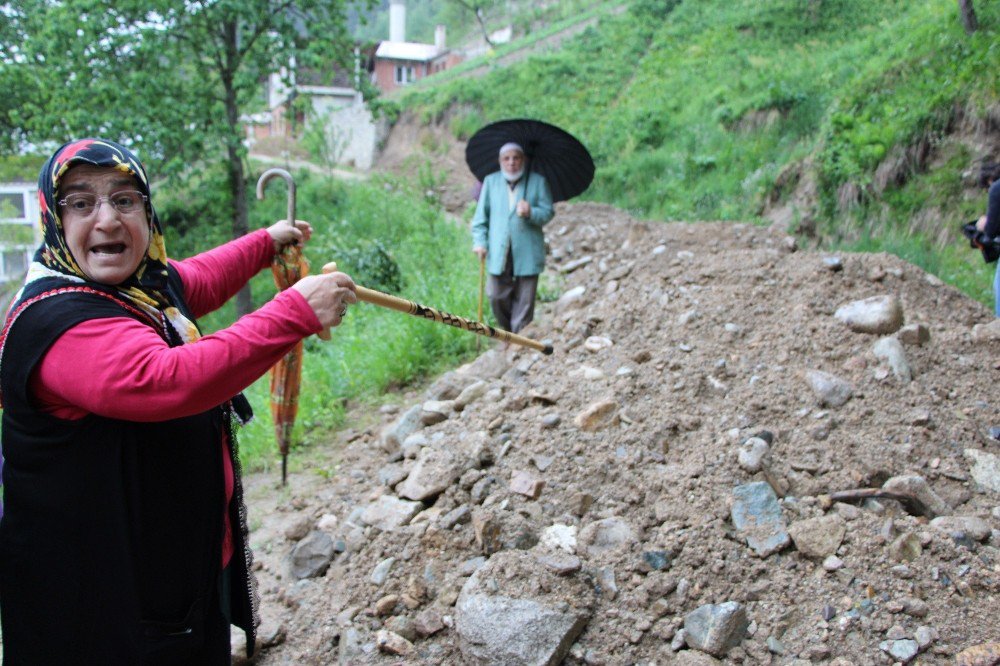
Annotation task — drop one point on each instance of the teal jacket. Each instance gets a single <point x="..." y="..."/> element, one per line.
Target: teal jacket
<point x="497" y="227"/>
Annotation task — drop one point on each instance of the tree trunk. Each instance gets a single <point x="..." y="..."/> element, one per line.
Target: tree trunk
<point x="238" y="190"/>
<point x="968" y="14"/>
<point x="482" y="26"/>
<point x="237" y="177"/>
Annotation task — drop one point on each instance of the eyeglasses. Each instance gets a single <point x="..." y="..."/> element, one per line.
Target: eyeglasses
<point x="85" y="204"/>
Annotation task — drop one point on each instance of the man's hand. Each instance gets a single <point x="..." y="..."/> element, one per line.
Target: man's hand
<point x="523" y="209"/>
<point x="480" y="252"/>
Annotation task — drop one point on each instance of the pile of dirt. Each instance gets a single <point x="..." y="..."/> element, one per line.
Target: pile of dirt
<point x="657" y="490"/>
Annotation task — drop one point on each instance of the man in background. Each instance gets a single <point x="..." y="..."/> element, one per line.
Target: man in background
<point x="514" y="205"/>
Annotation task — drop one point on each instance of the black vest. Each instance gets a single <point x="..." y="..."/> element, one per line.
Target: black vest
<point x="110" y="542"/>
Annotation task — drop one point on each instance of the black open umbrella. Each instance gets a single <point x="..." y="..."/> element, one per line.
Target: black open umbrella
<point x="549" y="150"/>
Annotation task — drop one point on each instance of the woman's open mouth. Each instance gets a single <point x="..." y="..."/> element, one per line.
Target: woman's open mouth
<point x="108" y="248"/>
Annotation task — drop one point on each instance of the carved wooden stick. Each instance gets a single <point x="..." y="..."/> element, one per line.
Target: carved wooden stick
<point x="442" y="317"/>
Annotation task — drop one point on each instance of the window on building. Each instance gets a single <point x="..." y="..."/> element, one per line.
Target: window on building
<point x="404" y="74"/>
<point x="11" y="206"/>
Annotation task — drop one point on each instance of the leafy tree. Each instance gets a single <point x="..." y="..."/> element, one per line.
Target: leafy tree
<point x="171" y="78"/>
<point x="478" y="8"/>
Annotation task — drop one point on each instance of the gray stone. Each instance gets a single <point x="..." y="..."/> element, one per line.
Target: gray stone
<point x="830" y="390"/>
<point x="833" y="563"/>
<point x="482" y="488"/>
<point x="754" y="452"/>
<point x="914" y="334"/>
<point x="905" y="650"/>
<point x="435" y="470"/>
<point x="571" y="266"/>
<point x="656" y="559"/>
<point x="906" y="548"/>
<point x="880" y="315"/>
<point x="487" y="366"/>
<point x="551" y="421"/>
<point x="559" y="563"/>
<point x="470" y="566"/>
<point x="388" y="513"/>
<point x="413" y="443"/>
<point x="446" y="387"/>
<point x="497" y="626"/>
<point x="986" y="468"/>
<point x="542" y="462"/>
<point x="560" y="537"/>
<point x="818" y="537"/>
<point x="917" y="486"/>
<point x="381" y="571"/>
<point x="890" y="351"/>
<point x="397" y="431"/>
<point x="350" y="649"/>
<point x="606" y="586"/>
<point x="311" y="556"/>
<point x="597" y="415"/>
<point x="756" y="515"/>
<point x="436" y="411"/>
<point x="392" y="643"/>
<point x="391" y="474"/>
<point x="716" y="628"/>
<point x="428" y="623"/>
<point x="470" y="394"/>
<point x="606" y="535"/>
<point x="499" y="630"/>
<point x="925" y="636"/>
<point x="457" y="516"/>
<point x="571" y="298"/>
<point x="973" y="527"/>
<point x="402" y="625"/>
<point x="833" y="264"/>
<point x="986" y="332"/>
<point x="299" y="528"/>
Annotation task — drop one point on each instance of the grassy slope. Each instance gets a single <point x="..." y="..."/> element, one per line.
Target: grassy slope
<point x="692" y="109"/>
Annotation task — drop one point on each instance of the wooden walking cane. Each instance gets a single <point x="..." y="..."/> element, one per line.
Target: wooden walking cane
<point x="440" y="316"/>
<point x="482" y="289"/>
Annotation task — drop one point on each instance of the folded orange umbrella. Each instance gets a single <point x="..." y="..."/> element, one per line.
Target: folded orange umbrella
<point x="288" y="267"/>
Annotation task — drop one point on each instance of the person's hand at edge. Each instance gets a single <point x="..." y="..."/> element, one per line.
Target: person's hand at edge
<point x="328" y="294"/>
<point x="981" y="224"/>
<point x="283" y="234"/>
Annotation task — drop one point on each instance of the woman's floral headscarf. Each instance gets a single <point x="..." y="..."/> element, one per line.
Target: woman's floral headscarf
<point x="149" y="281"/>
<point x="147" y="286"/>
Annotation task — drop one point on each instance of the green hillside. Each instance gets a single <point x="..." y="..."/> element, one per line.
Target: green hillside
<point x="721" y="110"/>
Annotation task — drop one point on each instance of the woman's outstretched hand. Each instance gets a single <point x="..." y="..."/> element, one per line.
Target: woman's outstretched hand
<point x="328" y="295"/>
<point x="284" y="234"/>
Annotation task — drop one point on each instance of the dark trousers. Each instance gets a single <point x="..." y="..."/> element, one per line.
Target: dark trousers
<point x="512" y="297"/>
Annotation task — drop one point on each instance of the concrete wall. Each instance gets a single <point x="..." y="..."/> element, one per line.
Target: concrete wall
<point x="350" y="127"/>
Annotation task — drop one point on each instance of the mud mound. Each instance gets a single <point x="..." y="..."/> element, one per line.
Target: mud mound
<point x="658" y="490"/>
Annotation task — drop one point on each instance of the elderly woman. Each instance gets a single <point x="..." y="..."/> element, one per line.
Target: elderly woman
<point x="507" y="233"/>
<point x="124" y="534"/>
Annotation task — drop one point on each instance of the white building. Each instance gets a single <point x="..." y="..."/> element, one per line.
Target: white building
<point x="19" y="233"/>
